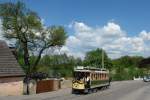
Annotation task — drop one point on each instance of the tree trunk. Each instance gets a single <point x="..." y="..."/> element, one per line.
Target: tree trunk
<point x="26" y="57"/>
<point x="28" y="88"/>
<point x="38" y="59"/>
<point x="27" y="62"/>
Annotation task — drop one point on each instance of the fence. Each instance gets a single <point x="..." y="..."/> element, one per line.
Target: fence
<point x="48" y="85"/>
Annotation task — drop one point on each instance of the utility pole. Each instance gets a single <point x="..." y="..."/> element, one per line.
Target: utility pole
<point x="102" y="59"/>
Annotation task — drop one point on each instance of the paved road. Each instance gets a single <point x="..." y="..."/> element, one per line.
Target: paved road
<point x="126" y="90"/>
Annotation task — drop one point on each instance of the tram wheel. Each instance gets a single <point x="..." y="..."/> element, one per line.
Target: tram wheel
<point x="95" y="90"/>
<point x="89" y="91"/>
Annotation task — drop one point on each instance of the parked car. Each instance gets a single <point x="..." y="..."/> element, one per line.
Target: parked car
<point x="146" y="78"/>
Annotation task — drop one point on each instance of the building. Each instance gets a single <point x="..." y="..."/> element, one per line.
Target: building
<point x="11" y="74"/>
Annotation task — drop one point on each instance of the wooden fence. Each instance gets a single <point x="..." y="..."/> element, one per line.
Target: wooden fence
<point x="47" y="86"/>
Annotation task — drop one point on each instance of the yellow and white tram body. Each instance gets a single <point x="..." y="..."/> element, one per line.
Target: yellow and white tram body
<point x="86" y="79"/>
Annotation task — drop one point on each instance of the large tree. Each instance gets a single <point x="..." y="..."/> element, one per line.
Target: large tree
<point x="126" y="67"/>
<point x="25" y="27"/>
<point x="94" y="58"/>
<point x="144" y="63"/>
<point x="127" y="61"/>
<point x="59" y="64"/>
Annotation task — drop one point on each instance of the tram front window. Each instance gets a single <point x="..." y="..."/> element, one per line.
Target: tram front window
<point x="81" y="76"/>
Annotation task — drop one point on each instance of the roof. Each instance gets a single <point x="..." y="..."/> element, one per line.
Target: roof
<point x="8" y="63"/>
<point x="90" y="69"/>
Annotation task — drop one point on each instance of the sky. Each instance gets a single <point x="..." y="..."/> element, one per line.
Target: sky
<point x="121" y="27"/>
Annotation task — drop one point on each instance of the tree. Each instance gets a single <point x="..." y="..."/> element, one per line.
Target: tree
<point x="126" y="67"/>
<point x="94" y="58"/>
<point x="144" y="63"/>
<point x="25" y="27"/>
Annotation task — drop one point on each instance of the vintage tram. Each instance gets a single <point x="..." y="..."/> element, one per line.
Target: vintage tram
<point x="89" y="79"/>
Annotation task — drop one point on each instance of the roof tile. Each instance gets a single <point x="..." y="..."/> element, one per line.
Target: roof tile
<point x="8" y="63"/>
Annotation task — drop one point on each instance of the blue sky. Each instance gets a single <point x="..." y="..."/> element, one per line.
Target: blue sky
<point x="132" y="15"/>
<point x="127" y="20"/>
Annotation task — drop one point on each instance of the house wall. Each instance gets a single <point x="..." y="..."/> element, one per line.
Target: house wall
<point x="11" y="86"/>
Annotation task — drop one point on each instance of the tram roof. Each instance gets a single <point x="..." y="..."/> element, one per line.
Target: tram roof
<point x="91" y="69"/>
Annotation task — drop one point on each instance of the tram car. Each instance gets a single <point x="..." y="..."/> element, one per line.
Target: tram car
<point x="88" y="79"/>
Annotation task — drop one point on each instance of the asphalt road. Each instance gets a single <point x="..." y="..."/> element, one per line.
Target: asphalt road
<point x="126" y="90"/>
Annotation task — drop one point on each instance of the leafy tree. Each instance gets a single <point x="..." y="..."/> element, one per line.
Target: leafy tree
<point x="33" y="38"/>
<point x="126" y="67"/>
<point x="59" y="64"/>
<point x="144" y="63"/>
<point x="127" y="61"/>
<point x="94" y="58"/>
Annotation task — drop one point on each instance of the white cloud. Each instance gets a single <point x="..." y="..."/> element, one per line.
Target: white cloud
<point x="112" y="29"/>
<point x="145" y="35"/>
<point x="81" y="27"/>
<point x="110" y="37"/>
<point x="137" y="44"/>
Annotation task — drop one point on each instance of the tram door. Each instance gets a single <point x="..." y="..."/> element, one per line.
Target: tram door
<point x="87" y="79"/>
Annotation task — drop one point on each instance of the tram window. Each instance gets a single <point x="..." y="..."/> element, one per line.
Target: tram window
<point x="105" y="76"/>
<point x="79" y="75"/>
<point x="100" y="76"/>
<point x="97" y="76"/>
<point x="92" y="76"/>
